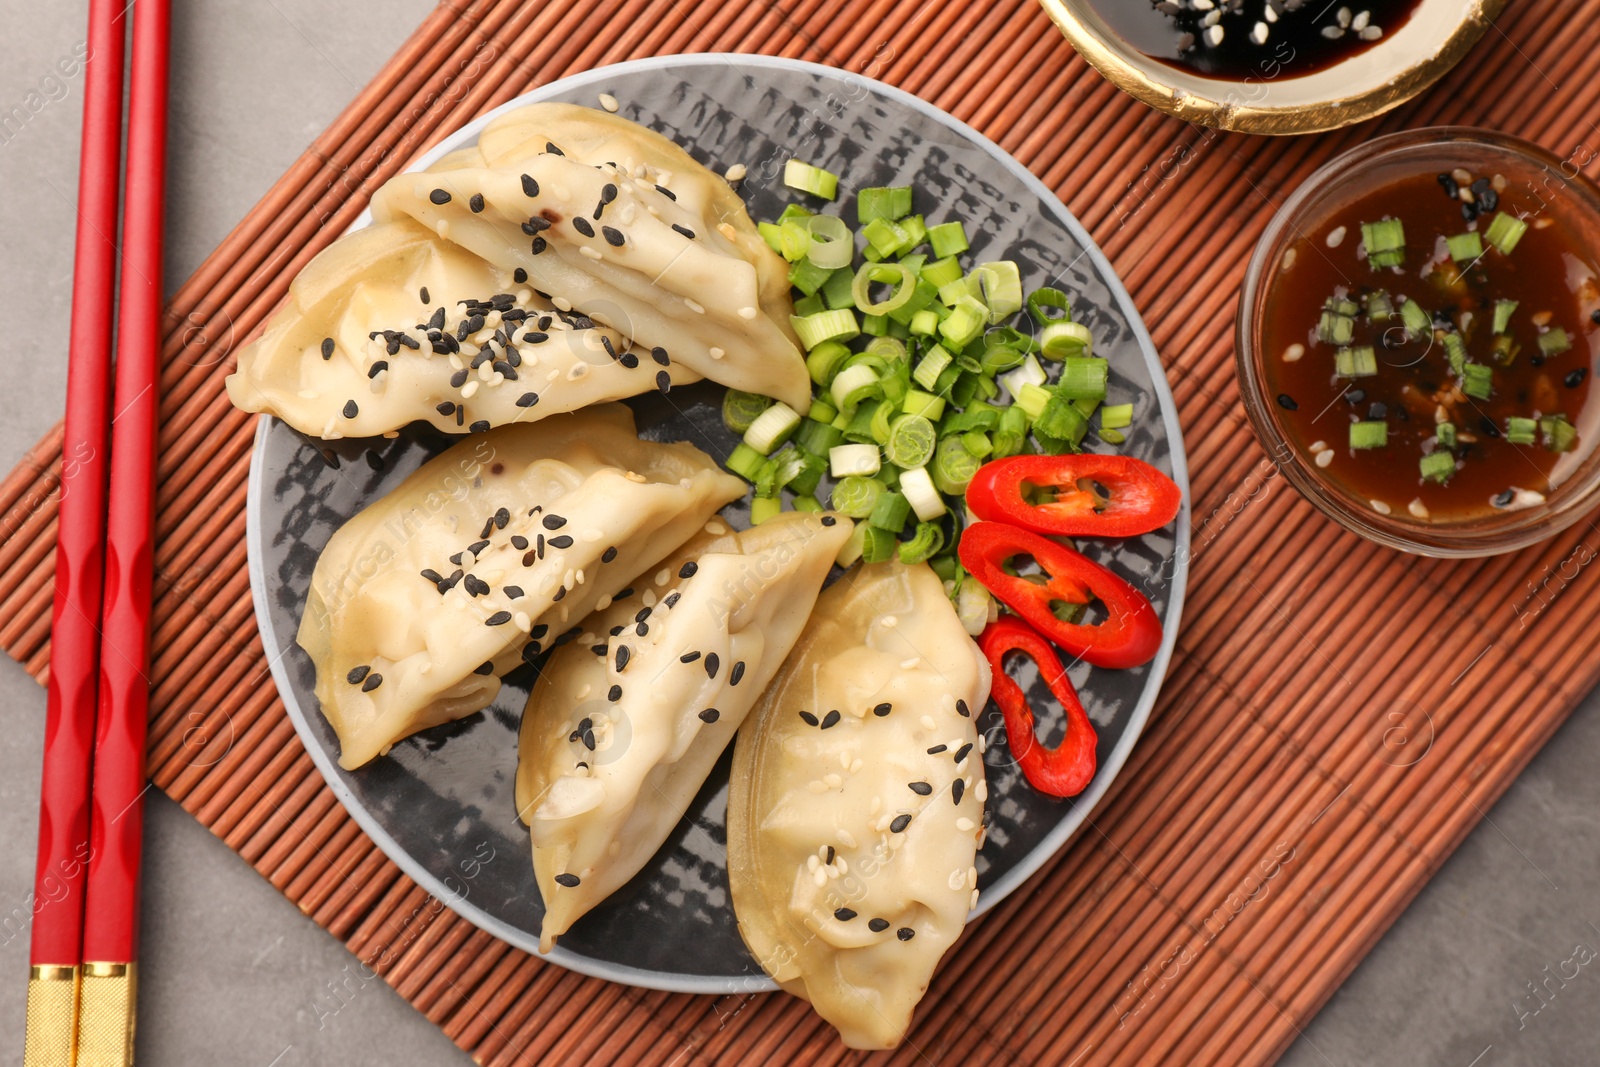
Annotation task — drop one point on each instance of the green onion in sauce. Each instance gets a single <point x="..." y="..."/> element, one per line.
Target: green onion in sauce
<point x="1430" y="347"/>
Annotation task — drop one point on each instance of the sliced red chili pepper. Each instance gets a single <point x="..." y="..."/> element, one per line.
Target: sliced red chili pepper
<point x="1140" y="497"/>
<point x="1131" y="632"/>
<point x="1063" y="771"/>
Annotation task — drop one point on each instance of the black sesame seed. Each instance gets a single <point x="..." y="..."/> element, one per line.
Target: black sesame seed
<point x="672" y="599"/>
<point x="439" y="196"/>
<point x="519" y="275"/>
<point x="527" y="400"/>
<point x="961" y="753"/>
<point x="962" y="709"/>
<point x="622" y="657"/>
<point x="560" y="593"/>
<point x="830" y="856"/>
<point x="830" y="719"/>
<point x="499" y="618"/>
<point x="571" y="881"/>
<point x="900" y="823"/>
<point x="480" y="426"/>
<point x="688" y="569"/>
<point x="598" y="650"/>
<point x="608" y="555"/>
<point x="583" y="226"/>
<point x="529" y="186"/>
<point x="624" y="594"/>
<point x="432" y="575"/>
<point x="372" y="682"/>
<point x="642" y="629"/>
<point x="357" y="674"/>
<point x="535" y="225"/>
<point x="844" y="915"/>
<point x="1287" y="402"/>
<point x="829" y="520"/>
<point x="684" y="230"/>
<point x="377" y="368"/>
<point x="877" y="926"/>
<point x="1575" y="378"/>
<point x="710" y="715"/>
<point x="530" y="652"/>
<point x="539" y="245"/>
<point x="476" y="204"/>
<point x="617" y="629"/>
<point x="659" y="354"/>
<point x="519" y="542"/>
<point x="535" y="337"/>
<point x="553" y="522"/>
<point x="478" y="546"/>
<point x="628" y="360"/>
<point x="458" y="379"/>
<point x="446" y="408"/>
<point x="936" y="749"/>
<point x="883" y="709"/>
<point x="552" y="149"/>
<point x="958" y="789"/>
<point x="327" y="346"/>
<point x="561" y="542"/>
<point x="688" y="657"/>
<point x="539" y="631"/>
<point x="613" y="236"/>
<point x="808" y="718"/>
<point x="1503" y="499"/>
<point x="922" y="789"/>
<point x="735" y="675"/>
<point x="712" y="663"/>
<point x="668" y="193"/>
<point x="905" y="933"/>
<point x="486" y="667"/>
<point x="1594" y="316"/>
<point x="350" y="409"/>
<point x="664" y="381"/>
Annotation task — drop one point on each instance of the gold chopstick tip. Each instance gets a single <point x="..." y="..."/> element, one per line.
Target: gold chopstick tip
<point x="52" y="1016"/>
<point x="106" y="1015"/>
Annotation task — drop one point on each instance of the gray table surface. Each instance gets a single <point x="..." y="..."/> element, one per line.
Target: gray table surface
<point x="234" y="974"/>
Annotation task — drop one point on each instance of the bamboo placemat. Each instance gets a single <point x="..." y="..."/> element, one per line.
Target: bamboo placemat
<point x="1336" y="717"/>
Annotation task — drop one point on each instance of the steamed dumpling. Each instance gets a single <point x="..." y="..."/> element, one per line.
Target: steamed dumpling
<point x="629" y="229"/>
<point x="625" y="723"/>
<point x="856" y="802"/>
<point x="391" y="325"/>
<point x="424" y="598"/>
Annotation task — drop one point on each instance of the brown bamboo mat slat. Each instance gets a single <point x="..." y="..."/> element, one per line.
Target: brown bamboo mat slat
<point x="1261" y="837"/>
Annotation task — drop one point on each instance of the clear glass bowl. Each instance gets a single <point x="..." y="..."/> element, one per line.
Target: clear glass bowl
<point x="1568" y="198"/>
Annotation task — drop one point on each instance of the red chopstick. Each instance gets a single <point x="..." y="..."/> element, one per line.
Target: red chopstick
<point x="110" y="932"/>
<point x="74" y="635"/>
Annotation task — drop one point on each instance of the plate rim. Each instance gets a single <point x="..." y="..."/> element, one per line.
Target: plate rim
<point x="1082" y="806"/>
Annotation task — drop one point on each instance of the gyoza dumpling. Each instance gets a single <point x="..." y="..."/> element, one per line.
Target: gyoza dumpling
<point x="680" y="270"/>
<point x="856" y="802"/>
<point x="424" y="598"/>
<point x="391" y="325"/>
<point x="625" y="723"/>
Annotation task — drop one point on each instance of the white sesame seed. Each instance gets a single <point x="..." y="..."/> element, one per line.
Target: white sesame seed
<point x="748" y="313"/>
<point x="1325" y="458"/>
<point x="1372" y="33"/>
<point x="957" y="879"/>
<point x="1214" y="34"/>
<point x="1343" y="16"/>
<point x="716" y="353"/>
<point x="1418" y="509"/>
<point x="735" y="173"/>
<point x="928" y="723"/>
<point x="1293" y="353"/>
<point x="609" y="102"/>
<point x="561" y="302"/>
<point x="1258" y="32"/>
<point x="694" y="306"/>
<point x="1380" y="507"/>
<point x="1317" y="446"/>
<point x="469" y="390"/>
<point x="1336" y="236"/>
<point x="585" y="250"/>
<point x="1360" y="22"/>
<point x="910" y="664"/>
<point x="964" y="824"/>
<point x="846" y="838"/>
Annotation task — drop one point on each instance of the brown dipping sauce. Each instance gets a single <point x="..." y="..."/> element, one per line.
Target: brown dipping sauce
<point x="1239" y="40"/>
<point x="1554" y="284"/>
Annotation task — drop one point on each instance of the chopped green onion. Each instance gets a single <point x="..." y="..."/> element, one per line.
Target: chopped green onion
<point x="794" y="211"/>
<point x="847" y="460"/>
<point x="890" y="512"/>
<point x="809" y="305"/>
<point x="977" y="442"/>
<point x="1445" y="434"/>
<point x="1477" y="381"/>
<point x="883" y="203"/>
<point x="1554" y="342"/>
<point x="1083" y="377"/>
<point x="927" y="405"/>
<point x="850" y="551"/>
<point x="809" y="179"/>
<point x="1062" y="420"/>
<point x="904" y="281"/>
<point x="1465" y="247"/>
<point x="745" y="461"/>
<point x="824" y="361"/>
<point x="1416" y="319"/>
<point x="822" y="411"/>
<point x="933" y="363"/>
<point x="948" y="239"/>
<point x="926" y="542"/>
<point x="772" y="427"/>
<point x="924" y="323"/>
<point x="1455" y="351"/>
<point x="998" y="357"/>
<point x="807" y="502"/>
<point x="836" y="291"/>
<point x="1055" y="300"/>
<point x="854" y="384"/>
<point x="980" y="418"/>
<point x="1116" y="416"/>
<point x="1063" y="340"/>
<point x="1032" y="400"/>
<point x="966" y="321"/>
<point x="794" y="240"/>
<point x="837" y="325"/>
<point x="1335" y="328"/>
<point x="1521" y="431"/>
<point x="916" y="232"/>
<point x="1113" y="437"/>
<point x="1385" y="242"/>
<point x="886" y="238"/>
<point x="763" y="508"/>
<point x="918" y="488"/>
<point x="974" y="606"/>
<point x="875" y="325"/>
<point x="818" y="438"/>
<point x="1380" y="308"/>
<point x="1029" y="373"/>
<point x="859" y="426"/>
<point x="941" y="272"/>
<point x="771" y="233"/>
<point x="832" y="245"/>
<point x="1503" y="310"/>
<point x="1359" y="362"/>
<point x="807" y="277"/>
<point x="1559" y="434"/>
<point x="1369" y="434"/>
<point x="1505" y="232"/>
<point x="856" y="496"/>
<point x="1504" y="349"/>
<point x="999" y="286"/>
<point x="877" y="544"/>
<point x="739" y="409"/>
<point x="911" y="441"/>
<point x="1438" y="466"/>
<point x="953" y="466"/>
<point x="802" y="472"/>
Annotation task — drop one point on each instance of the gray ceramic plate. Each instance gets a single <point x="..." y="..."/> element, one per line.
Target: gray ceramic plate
<point x="440" y="804"/>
